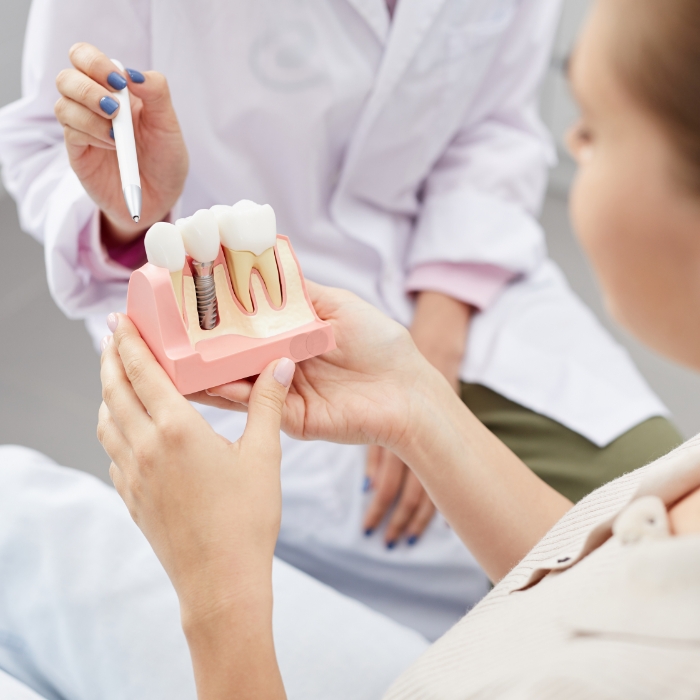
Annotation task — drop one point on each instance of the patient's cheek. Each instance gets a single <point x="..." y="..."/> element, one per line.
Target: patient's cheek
<point x="685" y="515"/>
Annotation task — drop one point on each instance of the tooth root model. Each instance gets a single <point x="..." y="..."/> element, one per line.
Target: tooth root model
<point x="237" y="336"/>
<point x="164" y="248"/>
<point x="248" y="233"/>
<point x="200" y="235"/>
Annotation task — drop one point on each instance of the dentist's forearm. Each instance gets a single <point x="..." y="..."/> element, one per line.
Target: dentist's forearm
<point x="496" y="505"/>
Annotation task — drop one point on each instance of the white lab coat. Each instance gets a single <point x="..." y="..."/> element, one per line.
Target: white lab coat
<point x="382" y="146"/>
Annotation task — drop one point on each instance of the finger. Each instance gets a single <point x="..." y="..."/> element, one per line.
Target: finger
<point x="421" y="519"/>
<point x="119" y="396"/>
<point x="77" y="116"/>
<point x="153" y="90"/>
<point x="111" y="438"/>
<point x="374" y="458"/>
<point x="389" y="479"/>
<point x="327" y="300"/>
<point x="77" y="87"/>
<point x="79" y="139"/>
<point x="266" y="405"/>
<point x="149" y="380"/>
<point x="412" y="494"/>
<point x="97" y="66"/>
<point x="205" y="399"/>
<point x="238" y="392"/>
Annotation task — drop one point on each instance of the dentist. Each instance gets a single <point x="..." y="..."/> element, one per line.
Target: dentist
<point x="400" y="146"/>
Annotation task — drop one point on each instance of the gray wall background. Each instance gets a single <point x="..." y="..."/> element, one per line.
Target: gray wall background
<point x="49" y="383"/>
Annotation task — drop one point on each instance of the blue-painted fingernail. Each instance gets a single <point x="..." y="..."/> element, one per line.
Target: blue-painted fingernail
<point x="118" y="82"/>
<point x="111" y="133"/>
<point x="136" y="76"/>
<point x="412" y="540"/>
<point x="391" y="545"/>
<point x="366" y="484"/>
<point x="109" y="105"/>
<point x="369" y="531"/>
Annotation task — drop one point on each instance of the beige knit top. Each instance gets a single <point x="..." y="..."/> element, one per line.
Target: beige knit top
<point x="607" y="605"/>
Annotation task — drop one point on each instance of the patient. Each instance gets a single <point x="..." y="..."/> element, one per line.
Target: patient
<point x="604" y="601"/>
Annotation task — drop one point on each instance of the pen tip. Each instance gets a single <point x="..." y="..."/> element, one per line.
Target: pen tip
<point x="136" y="218"/>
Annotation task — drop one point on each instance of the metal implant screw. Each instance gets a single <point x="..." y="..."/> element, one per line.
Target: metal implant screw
<point x="205" y="289"/>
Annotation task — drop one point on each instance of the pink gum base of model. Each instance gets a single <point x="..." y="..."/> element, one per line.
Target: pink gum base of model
<point x="152" y="306"/>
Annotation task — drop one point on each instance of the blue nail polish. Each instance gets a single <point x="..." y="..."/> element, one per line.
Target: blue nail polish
<point x="116" y="81"/>
<point x="368" y="531"/>
<point x="136" y="76"/>
<point x="109" y="105"/>
<point x="391" y="545"/>
<point x="366" y="484"/>
<point x="412" y="540"/>
<point x="111" y="133"/>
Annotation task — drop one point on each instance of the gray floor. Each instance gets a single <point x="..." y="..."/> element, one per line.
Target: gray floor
<point x="49" y="372"/>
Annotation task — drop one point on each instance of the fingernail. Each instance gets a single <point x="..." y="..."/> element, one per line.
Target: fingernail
<point x="284" y="371"/>
<point x="369" y="531"/>
<point x="391" y="545"/>
<point x="111" y="133"/>
<point x="109" y="105"/>
<point x="366" y="484"/>
<point x="412" y="540"/>
<point x="112" y="322"/>
<point x="136" y="76"/>
<point x="105" y="342"/>
<point x="118" y="82"/>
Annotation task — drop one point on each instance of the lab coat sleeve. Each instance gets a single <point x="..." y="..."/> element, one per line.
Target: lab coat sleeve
<point x="482" y="197"/>
<point x="53" y="206"/>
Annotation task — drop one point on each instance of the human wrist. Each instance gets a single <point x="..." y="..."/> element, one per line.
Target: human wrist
<point x="232" y="648"/>
<point x="439" y="330"/>
<point x="428" y="399"/>
<point x="114" y="234"/>
<point x="209" y="591"/>
<point x="204" y="614"/>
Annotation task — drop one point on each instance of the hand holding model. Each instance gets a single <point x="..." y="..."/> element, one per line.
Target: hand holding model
<point x="210" y="508"/>
<point x="86" y="109"/>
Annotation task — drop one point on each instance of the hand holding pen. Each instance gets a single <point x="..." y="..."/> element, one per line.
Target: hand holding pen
<point x="88" y="105"/>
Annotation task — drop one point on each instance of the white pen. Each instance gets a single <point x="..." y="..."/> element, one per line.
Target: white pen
<point x="126" y="152"/>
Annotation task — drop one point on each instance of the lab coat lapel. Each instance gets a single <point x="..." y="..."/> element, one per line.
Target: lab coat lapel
<point x="411" y="23"/>
<point x="412" y="20"/>
<point x="375" y="13"/>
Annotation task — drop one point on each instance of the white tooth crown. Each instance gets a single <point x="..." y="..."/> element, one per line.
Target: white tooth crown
<point x="248" y="226"/>
<point x="219" y="211"/>
<point x="200" y="234"/>
<point x="164" y="247"/>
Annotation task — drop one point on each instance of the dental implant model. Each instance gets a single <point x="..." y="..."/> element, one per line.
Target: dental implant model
<point x="240" y="298"/>
<point x="200" y="234"/>
<point x="164" y="248"/>
<point x="248" y="234"/>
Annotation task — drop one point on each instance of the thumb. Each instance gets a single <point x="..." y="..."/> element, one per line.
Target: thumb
<point x="267" y="401"/>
